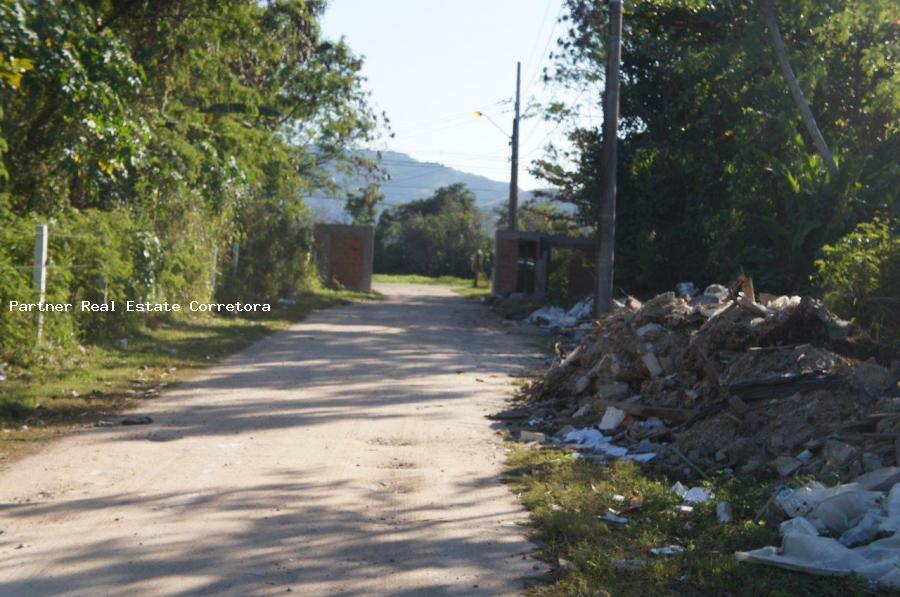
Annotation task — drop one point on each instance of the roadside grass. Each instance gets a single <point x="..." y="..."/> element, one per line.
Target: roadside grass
<point x="473" y="293"/>
<point x="519" y="307"/>
<point x="417" y="279"/>
<point x="461" y="286"/>
<point x="101" y="380"/>
<point x="566" y="497"/>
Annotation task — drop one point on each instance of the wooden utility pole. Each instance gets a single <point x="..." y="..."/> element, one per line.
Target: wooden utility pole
<point x="514" y="174"/>
<point x="771" y="21"/>
<point x="603" y="289"/>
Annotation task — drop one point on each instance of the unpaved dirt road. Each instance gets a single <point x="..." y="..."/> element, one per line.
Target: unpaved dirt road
<point x="347" y="455"/>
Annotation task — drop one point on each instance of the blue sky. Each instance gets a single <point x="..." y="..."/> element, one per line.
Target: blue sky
<point x="431" y="63"/>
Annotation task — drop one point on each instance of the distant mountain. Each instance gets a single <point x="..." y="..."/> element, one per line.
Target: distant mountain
<point x="411" y="179"/>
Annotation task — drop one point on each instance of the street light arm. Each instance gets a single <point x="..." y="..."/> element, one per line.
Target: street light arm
<point x="491" y="120"/>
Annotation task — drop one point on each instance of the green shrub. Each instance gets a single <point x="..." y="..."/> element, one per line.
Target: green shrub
<point x="274" y="258"/>
<point x="98" y="256"/>
<point x="861" y="277"/>
<point x="430" y="237"/>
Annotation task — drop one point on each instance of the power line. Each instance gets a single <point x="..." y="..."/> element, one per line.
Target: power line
<point x="550" y="38"/>
<point x="555" y="128"/>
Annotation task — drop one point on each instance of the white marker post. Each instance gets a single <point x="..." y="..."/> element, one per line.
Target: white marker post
<point x="40" y="273"/>
<point x="212" y="277"/>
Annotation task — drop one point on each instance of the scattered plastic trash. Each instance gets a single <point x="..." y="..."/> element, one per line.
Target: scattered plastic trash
<point x="864" y="531"/>
<point x="798" y="525"/>
<point x="582" y="309"/>
<point x="559" y="317"/>
<point x="684" y="508"/>
<point x="857" y="515"/>
<point x="666" y="550"/>
<point x="685" y="288"/>
<point x="694" y="495"/>
<point x="610" y="517"/>
<point x="287" y="302"/>
<point x="833" y="509"/>
<point x="798" y="502"/>
<point x="645" y="457"/>
<point x="723" y="512"/>
<point x="592" y="439"/>
<point x="547" y="316"/>
<point x="586" y="438"/>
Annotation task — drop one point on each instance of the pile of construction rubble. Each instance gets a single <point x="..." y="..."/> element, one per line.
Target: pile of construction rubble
<point x="722" y="380"/>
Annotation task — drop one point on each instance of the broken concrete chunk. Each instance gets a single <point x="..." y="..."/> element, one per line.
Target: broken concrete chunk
<point x="805" y="456"/>
<point x="872" y="378"/>
<point x="786" y="465"/>
<point x="612" y="418"/>
<point x="781" y="303"/>
<point x="750" y="306"/>
<point x="531" y="436"/>
<point x="651" y="331"/>
<point x="583" y="410"/>
<point x="652" y="364"/>
<point x="837" y="454"/>
<point x="667" y="363"/>
<point x="582" y="384"/>
<point x="738" y="405"/>
<point x="613" y="391"/>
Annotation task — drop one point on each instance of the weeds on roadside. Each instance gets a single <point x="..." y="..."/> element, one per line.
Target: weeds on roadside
<point x="566" y="498"/>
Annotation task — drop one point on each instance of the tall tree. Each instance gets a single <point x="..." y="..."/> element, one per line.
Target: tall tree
<point x="714" y="171"/>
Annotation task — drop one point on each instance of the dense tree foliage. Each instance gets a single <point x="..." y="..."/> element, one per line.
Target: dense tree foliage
<point x="435" y="236"/>
<point x="716" y="171"/>
<point x="199" y="124"/>
<point x="540" y="214"/>
<point x="861" y="276"/>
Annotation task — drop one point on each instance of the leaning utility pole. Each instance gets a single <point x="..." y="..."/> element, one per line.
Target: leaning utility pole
<point x="770" y="19"/>
<point x="514" y="174"/>
<point x="603" y="289"/>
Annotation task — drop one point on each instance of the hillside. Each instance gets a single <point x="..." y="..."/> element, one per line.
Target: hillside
<point x="413" y="179"/>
